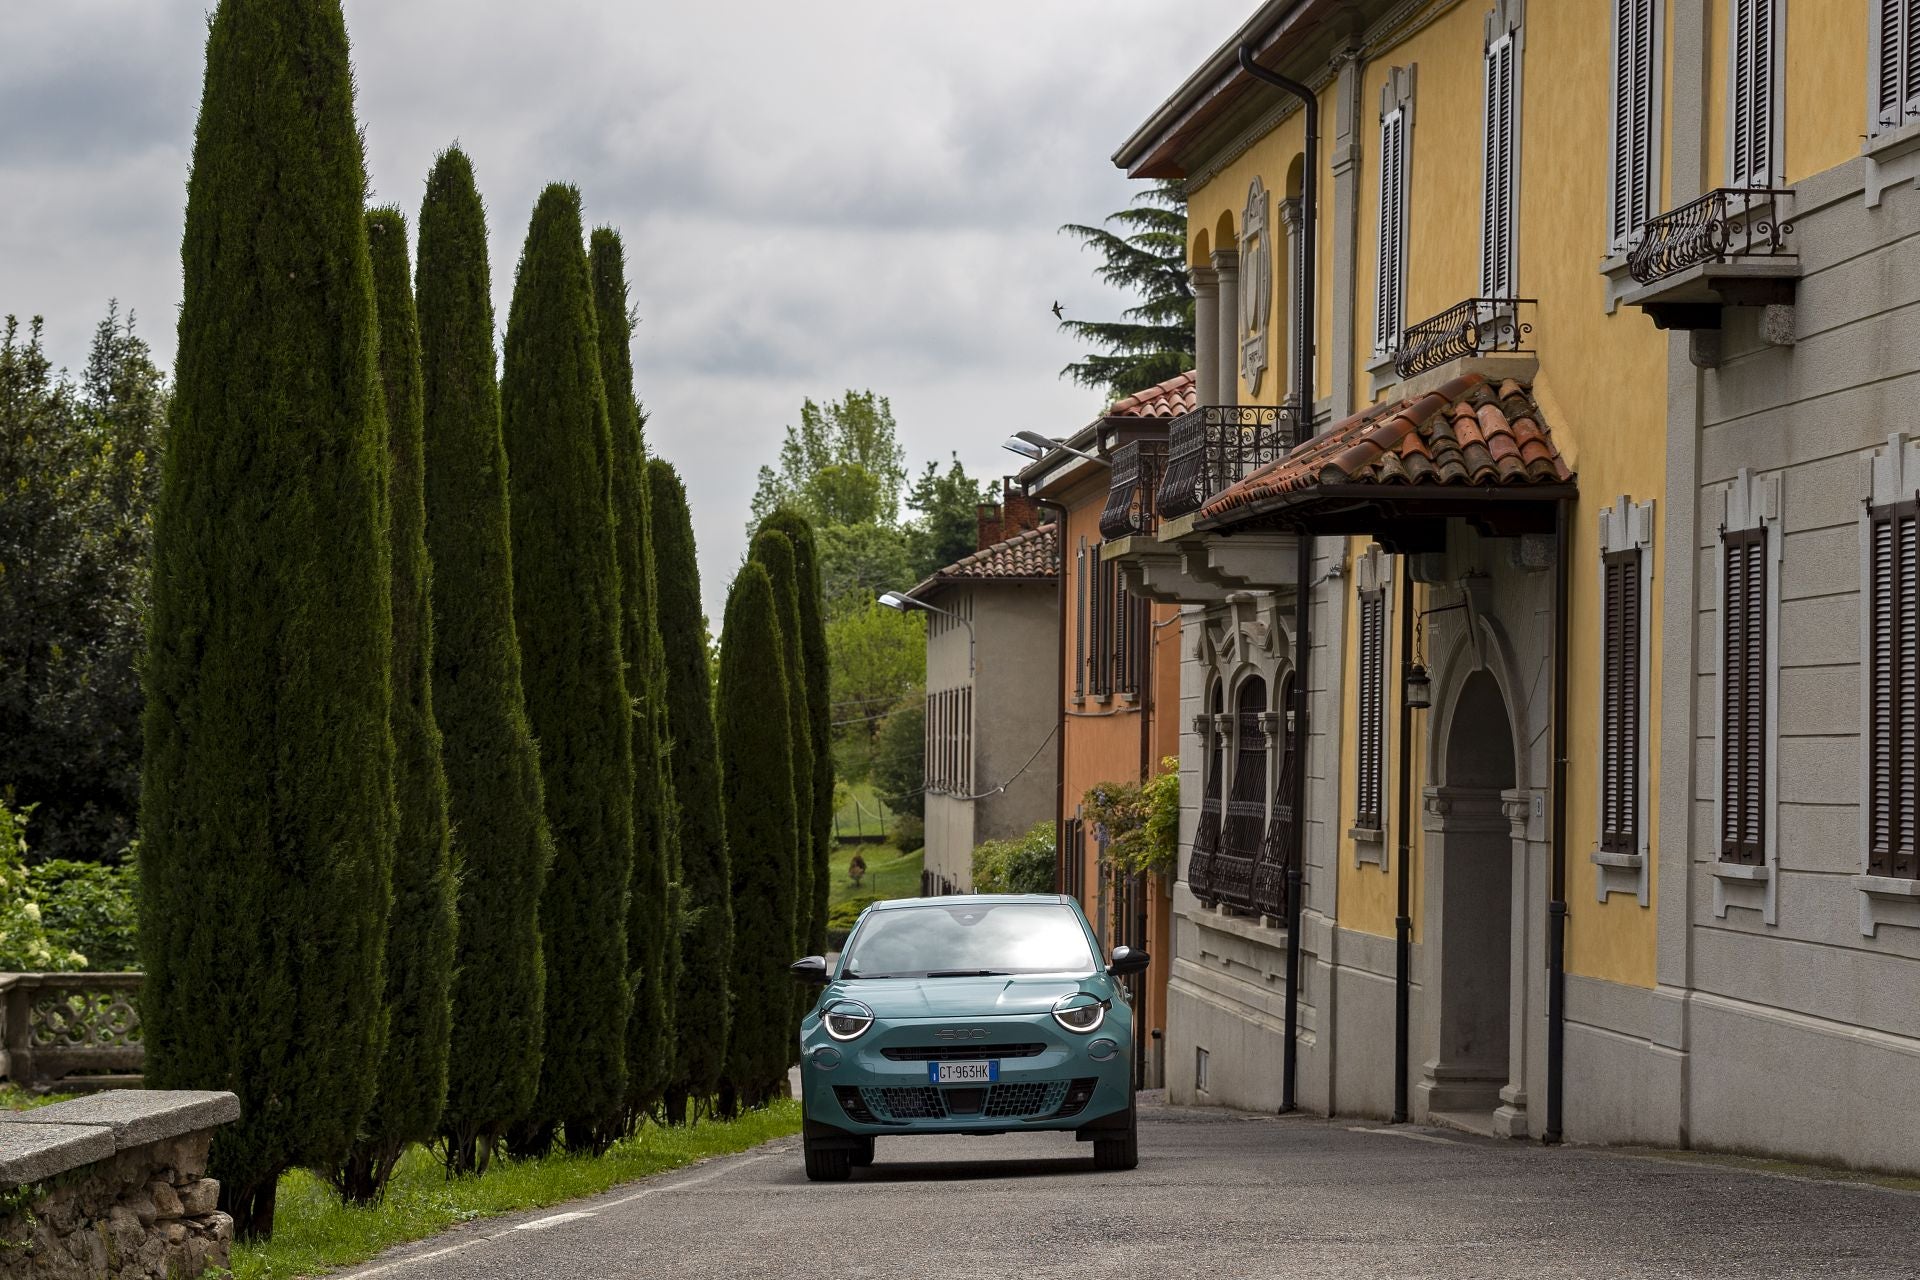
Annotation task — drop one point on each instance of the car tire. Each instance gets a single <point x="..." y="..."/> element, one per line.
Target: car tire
<point x="862" y="1158"/>
<point x="1115" y="1154"/>
<point x="827" y="1164"/>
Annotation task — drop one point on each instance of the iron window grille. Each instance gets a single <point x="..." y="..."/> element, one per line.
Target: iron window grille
<point x="1130" y="508"/>
<point x="1743" y="697"/>
<point x="1473" y="327"/>
<point x="1620" y="681"/>
<point x="1724" y="224"/>
<point x="1206" y="836"/>
<point x="1276" y="851"/>
<point x="1372" y="709"/>
<point x="1217" y="446"/>
<point x="1242" y="833"/>
<point x="1893" y="746"/>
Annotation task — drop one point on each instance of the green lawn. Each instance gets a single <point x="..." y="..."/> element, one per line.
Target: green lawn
<point x="12" y="1099"/>
<point x="890" y="873"/>
<point x="314" y="1232"/>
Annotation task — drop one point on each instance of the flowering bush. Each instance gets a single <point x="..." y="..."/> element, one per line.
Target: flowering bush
<point x="24" y="946"/>
<point x="1142" y="822"/>
<point x="1025" y="865"/>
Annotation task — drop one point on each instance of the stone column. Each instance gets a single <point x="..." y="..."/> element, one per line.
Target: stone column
<point x="1226" y="265"/>
<point x="1286" y="361"/>
<point x="1206" y="329"/>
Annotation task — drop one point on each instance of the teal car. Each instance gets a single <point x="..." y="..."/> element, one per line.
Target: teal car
<point x="976" y="1014"/>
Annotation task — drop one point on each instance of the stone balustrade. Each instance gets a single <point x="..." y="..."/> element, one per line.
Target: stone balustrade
<point x="113" y="1187"/>
<point x="70" y="1032"/>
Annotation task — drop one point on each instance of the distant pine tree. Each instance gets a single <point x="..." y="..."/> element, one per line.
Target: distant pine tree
<point x="775" y="553"/>
<point x="756" y="773"/>
<point x="652" y="954"/>
<point x="267" y="815"/>
<point x="702" y="1003"/>
<point x="1147" y="255"/>
<point x="813" y="641"/>
<point x="566" y="602"/>
<point x="420" y="932"/>
<point x="493" y="767"/>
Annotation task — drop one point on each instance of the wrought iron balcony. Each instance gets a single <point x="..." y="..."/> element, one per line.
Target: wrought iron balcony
<point x="1136" y="477"/>
<point x="1217" y="445"/>
<point x="1471" y="328"/>
<point x="1723" y="225"/>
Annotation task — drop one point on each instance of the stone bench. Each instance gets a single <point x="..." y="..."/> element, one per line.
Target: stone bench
<point x="113" y="1187"/>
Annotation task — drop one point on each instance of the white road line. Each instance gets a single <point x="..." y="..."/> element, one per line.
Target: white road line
<point x="554" y="1220"/>
<point x="1405" y="1133"/>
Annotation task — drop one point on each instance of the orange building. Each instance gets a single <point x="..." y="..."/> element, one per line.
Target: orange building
<point x="1120" y="666"/>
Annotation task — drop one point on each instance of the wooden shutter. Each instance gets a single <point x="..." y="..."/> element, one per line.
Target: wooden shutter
<point x="1391" y="287"/>
<point x="1080" y="621"/>
<point x="1896" y="55"/>
<point x="1743" y="698"/>
<point x="1498" y="212"/>
<point x="1620" y="677"/>
<point x="1633" y="145"/>
<point x="1373" y="663"/>
<point x="1753" y="44"/>
<point x="1894" y="675"/>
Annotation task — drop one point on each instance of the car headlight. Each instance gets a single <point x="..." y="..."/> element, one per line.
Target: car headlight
<point x="847" y="1019"/>
<point x="1080" y="1012"/>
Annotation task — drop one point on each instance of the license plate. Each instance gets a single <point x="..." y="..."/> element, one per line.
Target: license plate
<point x="963" y="1072"/>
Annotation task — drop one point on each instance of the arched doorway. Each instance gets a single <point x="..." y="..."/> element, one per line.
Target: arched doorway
<point x="1469" y="913"/>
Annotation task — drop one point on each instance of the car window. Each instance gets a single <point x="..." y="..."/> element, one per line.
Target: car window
<point x="968" y="939"/>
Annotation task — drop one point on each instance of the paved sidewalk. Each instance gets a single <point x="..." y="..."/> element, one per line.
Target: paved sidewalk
<point x="1217" y="1194"/>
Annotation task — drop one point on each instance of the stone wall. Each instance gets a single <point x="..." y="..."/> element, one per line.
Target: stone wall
<point x="113" y="1187"/>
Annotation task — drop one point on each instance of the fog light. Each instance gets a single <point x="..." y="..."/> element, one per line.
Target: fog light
<point x="826" y="1057"/>
<point x="1102" y="1049"/>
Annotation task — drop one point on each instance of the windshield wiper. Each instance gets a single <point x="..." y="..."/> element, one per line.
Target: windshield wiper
<point x="966" y="973"/>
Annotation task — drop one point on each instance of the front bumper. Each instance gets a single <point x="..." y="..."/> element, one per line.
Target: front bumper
<point x="1046" y="1077"/>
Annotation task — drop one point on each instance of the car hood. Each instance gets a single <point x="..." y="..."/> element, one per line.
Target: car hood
<point x="896" y="999"/>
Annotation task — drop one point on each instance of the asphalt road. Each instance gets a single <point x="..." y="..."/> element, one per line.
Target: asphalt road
<point x="1217" y="1194"/>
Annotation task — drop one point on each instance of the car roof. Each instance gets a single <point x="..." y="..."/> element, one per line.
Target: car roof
<point x="969" y="899"/>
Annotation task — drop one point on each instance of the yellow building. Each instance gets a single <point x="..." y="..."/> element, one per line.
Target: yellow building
<point x="1487" y="292"/>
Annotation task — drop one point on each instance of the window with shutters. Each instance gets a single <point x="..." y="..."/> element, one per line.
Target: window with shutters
<point x="1372" y="709"/>
<point x="1081" y="588"/>
<point x="1622" y="616"/>
<point x="1896" y="64"/>
<point x="1396" y="142"/>
<point x="1893" y="684"/>
<point x="1753" y="81"/>
<point x="1500" y="149"/>
<point x="1744" y="681"/>
<point x="1634" y="147"/>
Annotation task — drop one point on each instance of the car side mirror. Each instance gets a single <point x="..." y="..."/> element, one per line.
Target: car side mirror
<point x="811" y="970"/>
<point x="1128" y="960"/>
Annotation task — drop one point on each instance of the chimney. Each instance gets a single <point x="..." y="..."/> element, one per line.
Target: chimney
<point x="1015" y="513"/>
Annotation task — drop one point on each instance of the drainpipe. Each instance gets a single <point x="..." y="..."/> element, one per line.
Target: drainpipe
<point x="1060" y="689"/>
<point x="1303" y="572"/>
<point x="1557" y="896"/>
<point x="1403" y="921"/>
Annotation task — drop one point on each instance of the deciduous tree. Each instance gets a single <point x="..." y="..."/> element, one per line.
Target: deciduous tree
<point x="267" y="811"/>
<point x="566" y="606"/>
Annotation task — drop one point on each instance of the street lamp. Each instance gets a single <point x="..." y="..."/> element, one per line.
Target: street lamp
<point x="902" y="602"/>
<point x="1033" y="446"/>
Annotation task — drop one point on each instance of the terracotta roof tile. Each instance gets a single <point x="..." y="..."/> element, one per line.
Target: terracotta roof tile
<point x="1466" y="433"/>
<point x="1167" y="399"/>
<point x="1024" y="557"/>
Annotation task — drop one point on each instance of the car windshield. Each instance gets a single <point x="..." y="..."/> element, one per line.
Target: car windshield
<point x="978" y="939"/>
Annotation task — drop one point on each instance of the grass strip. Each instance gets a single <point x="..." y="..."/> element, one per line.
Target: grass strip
<point x="314" y="1232"/>
<point x="15" y="1099"/>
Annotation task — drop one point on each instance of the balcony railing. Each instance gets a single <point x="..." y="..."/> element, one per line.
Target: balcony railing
<point x="70" y="1032"/>
<point x="1136" y="477"/>
<point x="1723" y="224"/>
<point x="1216" y="446"/>
<point x="1471" y="328"/>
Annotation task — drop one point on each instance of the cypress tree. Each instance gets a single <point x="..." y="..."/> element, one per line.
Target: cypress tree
<point x="420" y="932"/>
<point x="756" y="781"/>
<point x="702" y="1000"/>
<point x="651" y="953"/>
<point x="492" y="765"/>
<point x="566" y="599"/>
<point x="774" y="553"/>
<point x="813" y="643"/>
<point x="267" y="812"/>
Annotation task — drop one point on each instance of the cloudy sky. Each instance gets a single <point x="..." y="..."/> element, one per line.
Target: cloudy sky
<point x="815" y="196"/>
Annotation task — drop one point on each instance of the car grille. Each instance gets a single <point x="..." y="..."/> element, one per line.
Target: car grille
<point x="961" y="1052"/>
<point x="1026" y="1100"/>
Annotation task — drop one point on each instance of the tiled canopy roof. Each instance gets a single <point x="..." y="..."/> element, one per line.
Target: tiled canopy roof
<point x="1167" y="399"/>
<point x="1026" y="557"/>
<point x="1464" y="435"/>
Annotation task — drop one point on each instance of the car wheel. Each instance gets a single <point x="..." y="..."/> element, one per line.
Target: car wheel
<point x="827" y="1164"/>
<point x="1113" y="1154"/>
<point x="863" y="1158"/>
